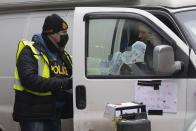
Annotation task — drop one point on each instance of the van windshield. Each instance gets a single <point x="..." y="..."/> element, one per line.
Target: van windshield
<point x="187" y="20"/>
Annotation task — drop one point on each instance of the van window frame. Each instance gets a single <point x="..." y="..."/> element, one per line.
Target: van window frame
<point x="122" y="15"/>
<point x="171" y="20"/>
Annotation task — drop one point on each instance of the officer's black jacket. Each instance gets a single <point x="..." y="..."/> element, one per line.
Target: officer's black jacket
<point x="30" y="107"/>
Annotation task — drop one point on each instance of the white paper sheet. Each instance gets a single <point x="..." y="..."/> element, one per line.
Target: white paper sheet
<point x="163" y="99"/>
<point x="136" y="54"/>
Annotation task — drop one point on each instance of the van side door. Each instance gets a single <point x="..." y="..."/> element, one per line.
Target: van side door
<point x="114" y="49"/>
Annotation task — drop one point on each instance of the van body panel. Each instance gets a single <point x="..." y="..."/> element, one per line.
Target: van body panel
<point x="100" y="91"/>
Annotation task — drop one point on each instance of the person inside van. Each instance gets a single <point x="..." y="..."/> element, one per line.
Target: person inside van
<point x="151" y="39"/>
<point x="148" y="39"/>
<point x="43" y="78"/>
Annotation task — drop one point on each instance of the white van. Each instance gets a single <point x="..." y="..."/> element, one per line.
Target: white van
<point x="97" y="36"/>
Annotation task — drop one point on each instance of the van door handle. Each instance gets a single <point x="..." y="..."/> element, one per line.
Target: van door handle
<point x="153" y="83"/>
<point x="80" y="97"/>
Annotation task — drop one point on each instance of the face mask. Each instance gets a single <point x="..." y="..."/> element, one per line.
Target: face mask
<point x="63" y="40"/>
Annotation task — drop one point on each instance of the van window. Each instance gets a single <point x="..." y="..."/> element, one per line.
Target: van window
<point x="169" y="23"/>
<point x="187" y="20"/>
<point x="121" y="47"/>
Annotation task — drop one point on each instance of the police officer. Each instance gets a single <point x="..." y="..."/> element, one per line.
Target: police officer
<point x="42" y="78"/>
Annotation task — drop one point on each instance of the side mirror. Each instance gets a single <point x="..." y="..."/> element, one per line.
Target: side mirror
<point x="164" y="62"/>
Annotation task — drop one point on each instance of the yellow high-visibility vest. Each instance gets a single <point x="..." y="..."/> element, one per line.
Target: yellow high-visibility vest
<point x="43" y="67"/>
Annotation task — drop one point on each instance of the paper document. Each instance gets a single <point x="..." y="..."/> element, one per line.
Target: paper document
<point x="163" y="99"/>
<point x="136" y="54"/>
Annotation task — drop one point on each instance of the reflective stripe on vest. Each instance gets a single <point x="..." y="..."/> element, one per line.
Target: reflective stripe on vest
<point x="68" y="57"/>
<point x="43" y="68"/>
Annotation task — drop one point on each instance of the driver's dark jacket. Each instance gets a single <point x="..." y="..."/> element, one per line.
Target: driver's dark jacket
<point x="148" y="56"/>
<point x="32" y="107"/>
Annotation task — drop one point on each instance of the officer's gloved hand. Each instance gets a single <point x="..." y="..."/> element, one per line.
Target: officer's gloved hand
<point x="66" y="84"/>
